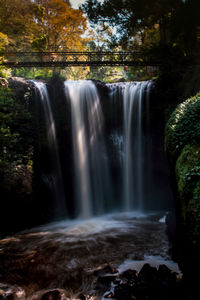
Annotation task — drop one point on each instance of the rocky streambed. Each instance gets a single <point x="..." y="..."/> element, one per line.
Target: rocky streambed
<point x="119" y="256"/>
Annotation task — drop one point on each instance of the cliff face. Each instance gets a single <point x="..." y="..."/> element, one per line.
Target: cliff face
<point x="182" y="144"/>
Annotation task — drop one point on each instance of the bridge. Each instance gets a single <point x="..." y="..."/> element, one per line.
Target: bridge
<point x="68" y="59"/>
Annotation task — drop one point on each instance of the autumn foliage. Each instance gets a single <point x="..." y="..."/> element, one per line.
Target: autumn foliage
<point x="42" y="25"/>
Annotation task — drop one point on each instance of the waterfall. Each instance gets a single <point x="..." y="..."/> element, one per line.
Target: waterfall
<point x="133" y="96"/>
<point x="109" y="153"/>
<point x="54" y="176"/>
<point x="93" y="190"/>
<point x="129" y="92"/>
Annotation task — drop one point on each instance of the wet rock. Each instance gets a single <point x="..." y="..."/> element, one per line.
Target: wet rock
<point x="106" y="275"/>
<point x="149" y="284"/>
<point x="147" y="272"/>
<point x="22" y="88"/>
<point x="81" y="297"/>
<point x="18" y="83"/>
<point x="52" y="294"/>
<point x="109" y="295"/>
<point x="166" y="274"/>
<point x="105" y="269"/>
<point x="129" y="277"/>
<point x="104" y="282"/>
<point x="101" y="86"/>
<point x="11" y="292"/>
<point x="123" y="292"/>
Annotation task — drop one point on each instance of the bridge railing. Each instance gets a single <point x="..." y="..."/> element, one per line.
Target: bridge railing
<point x="17" y="59"/>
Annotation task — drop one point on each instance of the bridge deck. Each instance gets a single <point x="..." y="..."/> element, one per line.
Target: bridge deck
<point x="67" y="59"/>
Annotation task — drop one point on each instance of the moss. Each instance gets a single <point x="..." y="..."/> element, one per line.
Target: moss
<point x="188" y="178"/>
<point x="183" y="127"/>
<point x="182" y="142"/>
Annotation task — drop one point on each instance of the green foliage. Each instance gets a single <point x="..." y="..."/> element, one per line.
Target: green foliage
<point x="183" y="147"/>
<point x="34" y="73"/>
<point x="16" y="21"/>
<point x="144" y="24"/>
<point x="196" y="210"/>
<point x="39" y="43"/>
<point x="16" y="149"/>
<point x="188" y="179"/>
<point x="15" y="137"/>
<point x="188" y="171"/>
<point x="183" y="127"/>
<point x="3" y="43"/>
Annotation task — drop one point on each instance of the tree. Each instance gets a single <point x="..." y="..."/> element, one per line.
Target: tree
<point x="165" y="22"/>
<point x="130" y="17"/>
<point x="16" y="21"/>
<point x="3" y="43"/>
<point x="42" y="24"/>
<point x="61" y="25"/>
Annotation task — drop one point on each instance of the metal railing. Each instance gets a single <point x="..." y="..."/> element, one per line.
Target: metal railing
<point x="66" y="59"/>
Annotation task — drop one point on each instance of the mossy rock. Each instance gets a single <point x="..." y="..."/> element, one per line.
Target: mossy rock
<point x="183" y="127"/>
<point x="188" y="178"/>
<point x="182" y="143"/>
<point x="195" y="213"/>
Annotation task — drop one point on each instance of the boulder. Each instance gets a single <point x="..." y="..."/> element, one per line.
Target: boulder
<point x="21" y="87"/>
<point x="148" y="273"/>
<point x="129" y="277"/>
<point x="18" y="83"/>
<point x="150" y="283"/>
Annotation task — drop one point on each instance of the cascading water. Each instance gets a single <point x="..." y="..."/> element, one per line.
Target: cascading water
<point x="133" y="96"/>
<point x="54" y="177"/>
<point x="93" y="191"/>
<point x="107" y="152"/>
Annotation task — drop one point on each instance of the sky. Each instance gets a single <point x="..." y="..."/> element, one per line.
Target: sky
<point x="76" y="3"/>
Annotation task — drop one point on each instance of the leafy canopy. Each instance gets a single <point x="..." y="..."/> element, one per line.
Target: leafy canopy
<point x="176" y="22"/>
<point x="42" y="24"/>
<point x="60" y="25"/>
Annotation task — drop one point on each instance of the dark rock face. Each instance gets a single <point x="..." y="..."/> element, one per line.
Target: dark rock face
<point x="102" y="88"/>
<point x="21" y="87"/>
<point x="17" y="83"/>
